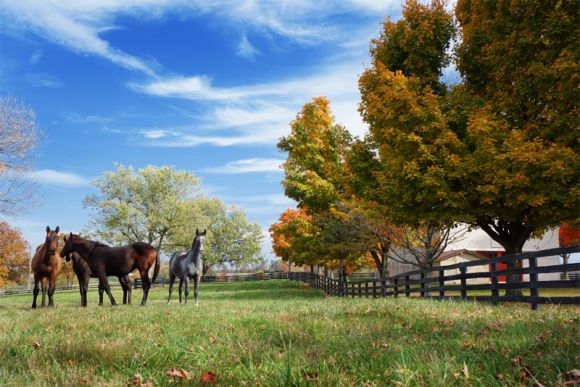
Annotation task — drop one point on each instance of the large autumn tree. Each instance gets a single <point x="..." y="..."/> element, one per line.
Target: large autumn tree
<point x="499" y="150"/>
<point x="14" y="255"/>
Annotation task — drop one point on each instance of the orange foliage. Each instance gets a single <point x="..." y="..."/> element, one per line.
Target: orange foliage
<point x="14" y="255"/>
<point x="280" y="233"/>
<point x="568" y="235"/>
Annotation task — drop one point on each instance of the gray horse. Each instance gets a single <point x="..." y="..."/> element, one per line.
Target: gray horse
<point x="187" y="266"/>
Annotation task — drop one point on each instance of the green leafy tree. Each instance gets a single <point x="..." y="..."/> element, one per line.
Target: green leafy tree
<point x="145" y="205"/>
<point x="231" y="238"/>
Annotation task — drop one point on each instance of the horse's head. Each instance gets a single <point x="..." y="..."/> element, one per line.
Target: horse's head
<point x="200" y="239"/>
<point x="51" y="241"/>
<point x="68" y="247"/>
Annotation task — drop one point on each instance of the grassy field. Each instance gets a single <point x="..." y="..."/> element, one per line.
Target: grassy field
<point x="284" y="333"/>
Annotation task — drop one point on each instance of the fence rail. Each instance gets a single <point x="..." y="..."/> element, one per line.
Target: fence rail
<point x="436" y="283"/>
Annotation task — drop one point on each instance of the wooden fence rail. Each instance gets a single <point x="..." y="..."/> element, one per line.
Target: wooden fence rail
<point x="436" y="283"/>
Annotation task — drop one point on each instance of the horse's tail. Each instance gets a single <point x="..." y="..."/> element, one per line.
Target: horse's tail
<point x="157" y="266"/>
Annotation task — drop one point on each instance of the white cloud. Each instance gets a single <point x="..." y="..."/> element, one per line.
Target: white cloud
<point x="35" y="57"/>
<point x="248" y="166"/>
<point x="246" y="49"/>
<point x="57" y="178"/>
<point x="78" y="24"/>
<point x="259" y="113"/>
<point x="158" y="133"/>
<point x="42" y="80"/>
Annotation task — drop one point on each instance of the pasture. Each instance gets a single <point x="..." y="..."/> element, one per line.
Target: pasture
<point x="284" y="333"/>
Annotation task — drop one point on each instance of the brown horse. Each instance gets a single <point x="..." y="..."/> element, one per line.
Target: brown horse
<point x="115" y="261"/>
<point x="46" y="265"/>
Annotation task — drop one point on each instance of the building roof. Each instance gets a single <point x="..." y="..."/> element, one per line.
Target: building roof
<point x="452" y="253"/>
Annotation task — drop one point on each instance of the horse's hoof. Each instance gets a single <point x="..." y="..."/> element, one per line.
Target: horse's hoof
<point x="33" y="306"/>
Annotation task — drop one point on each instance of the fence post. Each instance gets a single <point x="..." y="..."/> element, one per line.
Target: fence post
<point x="422" y="284"/>
<point x="441" y="282"/>
<point x="407" y="286"/>
<point x="494" y="289"/>
<point x="463" y="270"/>
<point x="534" y="291"/>
<point x="396" y="289"/>
<point x="352" y="289"/>
<point x="359" y="290"/>
<point x="366" y="289"/>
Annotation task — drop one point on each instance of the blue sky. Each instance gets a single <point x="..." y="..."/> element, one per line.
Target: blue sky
<point x="206" y="86"/>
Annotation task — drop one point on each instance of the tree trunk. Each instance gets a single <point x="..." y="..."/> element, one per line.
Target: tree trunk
<point x="511" y="236"/>
<point x="205" y="268"/>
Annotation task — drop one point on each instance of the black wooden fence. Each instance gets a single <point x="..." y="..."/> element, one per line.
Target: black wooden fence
<point x="457" y="281"/>
<point x="444" y="282"/>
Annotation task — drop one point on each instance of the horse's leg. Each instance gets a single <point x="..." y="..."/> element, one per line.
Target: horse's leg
<point x="129" y="287"/>
<point x="186" y="283"/>
<point x="146" y="286"/>
<point x="171" y="281"/>
<point x="43" y="287"/>
<point x="195" y="283"/>
<point x="180" y="288"/>
<point x="35" y="292"/>
<point x="101" y="291"/>
<point x="51" y="286"/>
<point x="80" y="280"/>
<point x="124" y="287"/>
<point x="105" y="283"/>
<point x="84" y="290"/>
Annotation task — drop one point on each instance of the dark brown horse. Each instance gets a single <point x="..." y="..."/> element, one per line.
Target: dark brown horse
<point x="115" y="261"/>
<point x="46" y="265"/>
<point x="84" y="273"/>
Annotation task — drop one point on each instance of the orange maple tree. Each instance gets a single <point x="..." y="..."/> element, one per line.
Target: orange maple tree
<point x="14" y="255"/>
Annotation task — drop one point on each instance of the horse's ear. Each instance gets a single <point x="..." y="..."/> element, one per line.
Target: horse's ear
<point x="47" y="229"/>
<point x="196" y="232"/>
<point x="204" y="231"/>
<point x="71" y="234"/>
<point x="64" y="238"/>
<point x="57" y="229"/>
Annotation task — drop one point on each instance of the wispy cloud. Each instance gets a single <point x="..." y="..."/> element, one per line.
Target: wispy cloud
<point x="78" y="24"/>
<point x="248" y="166"/>
<point x="42" y="80"/>
<point x="258" y="114"/>
<point x="57" y="178"/>
<point x="159" y="133"/>
<point x="246" y="49"/>
<point x="35" y="57"/>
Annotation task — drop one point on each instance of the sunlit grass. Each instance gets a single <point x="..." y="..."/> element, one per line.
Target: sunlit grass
<point x="268" y="333"/>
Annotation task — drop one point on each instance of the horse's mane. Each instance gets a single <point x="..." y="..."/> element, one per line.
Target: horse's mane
<point x="80" y="239"/>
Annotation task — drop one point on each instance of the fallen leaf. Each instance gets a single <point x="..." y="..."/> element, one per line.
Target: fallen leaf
<point x="465" y="371"/>
<point x="135" y="380"/>
<point x="82" y="381"/>
<point x="36" y="344"/>
<point x="570" y="378"/>
<point x="212" y="339"/>
<point x="309" y="376"/>
<point x="208" y="378"/>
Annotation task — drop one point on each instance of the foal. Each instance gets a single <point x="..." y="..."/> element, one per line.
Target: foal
<point x="46" y="265"/>
<point x="115" y="261"/>
<point x="187" y="266"/>
<point x="84" y="273"/>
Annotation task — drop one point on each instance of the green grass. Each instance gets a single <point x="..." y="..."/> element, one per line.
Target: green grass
<point x="267" y="333"/>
